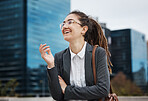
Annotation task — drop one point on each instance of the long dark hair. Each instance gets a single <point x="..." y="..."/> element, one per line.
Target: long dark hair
<point x="94" y="34"/>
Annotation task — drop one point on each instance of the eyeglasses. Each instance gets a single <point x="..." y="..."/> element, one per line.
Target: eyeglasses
<point x="69" y="22"/>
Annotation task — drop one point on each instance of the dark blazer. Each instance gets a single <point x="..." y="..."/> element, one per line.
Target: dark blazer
<point x="91" y="91"/>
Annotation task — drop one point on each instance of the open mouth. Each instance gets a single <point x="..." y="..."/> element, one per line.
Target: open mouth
<point x="66" y="31"/>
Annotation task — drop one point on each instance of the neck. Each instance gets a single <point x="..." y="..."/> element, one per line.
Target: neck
<point x="76" y="46"/>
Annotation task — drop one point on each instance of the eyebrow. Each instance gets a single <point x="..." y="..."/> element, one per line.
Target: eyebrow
<point x="68" y="20"/>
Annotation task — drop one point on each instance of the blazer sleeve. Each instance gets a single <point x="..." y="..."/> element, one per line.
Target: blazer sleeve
<point x="101" y="89"/>
<point x="54" y="85"/>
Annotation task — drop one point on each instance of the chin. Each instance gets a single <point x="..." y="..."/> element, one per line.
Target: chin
<point x="67" y="39"/>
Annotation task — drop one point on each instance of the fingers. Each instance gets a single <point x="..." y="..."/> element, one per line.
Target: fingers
<point x="41" y="46"/>
<point x="44" y="48"/>
<point x="59" y="77"/>
<point x="47" y="50"/>
<point x="62" y="84"/>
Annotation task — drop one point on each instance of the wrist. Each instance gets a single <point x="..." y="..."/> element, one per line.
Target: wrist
<point x="50" y="66"/>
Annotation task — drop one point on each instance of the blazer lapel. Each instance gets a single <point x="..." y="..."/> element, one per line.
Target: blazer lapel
<point x="88" y="65"/>
<point x="66" y="66"/>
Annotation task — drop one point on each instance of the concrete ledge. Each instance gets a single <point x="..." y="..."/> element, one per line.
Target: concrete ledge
<point x="133" y="98"/>
<point x="26" y="99"/>
<point x="121" y="98"/>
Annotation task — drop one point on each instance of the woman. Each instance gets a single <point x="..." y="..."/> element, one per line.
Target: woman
<point x="70" y="72"/>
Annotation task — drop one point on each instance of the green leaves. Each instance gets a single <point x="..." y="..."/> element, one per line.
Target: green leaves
<point x="8" y="89"/>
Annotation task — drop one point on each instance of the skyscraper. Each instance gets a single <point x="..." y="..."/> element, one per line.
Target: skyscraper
<point x="24" y="25"/>
<point x="129" y="54"/>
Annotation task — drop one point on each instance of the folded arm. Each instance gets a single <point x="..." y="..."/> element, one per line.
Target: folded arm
<point x="101" y="89"/>
<point x="54" y="84"/>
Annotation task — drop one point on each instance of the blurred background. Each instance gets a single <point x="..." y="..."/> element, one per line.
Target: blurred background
<point x="25" y="24"/>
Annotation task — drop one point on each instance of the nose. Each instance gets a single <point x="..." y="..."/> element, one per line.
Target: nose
<point x="65" y="26"/>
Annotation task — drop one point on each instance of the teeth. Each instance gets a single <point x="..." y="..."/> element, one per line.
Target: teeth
<point x="66" y="32"/>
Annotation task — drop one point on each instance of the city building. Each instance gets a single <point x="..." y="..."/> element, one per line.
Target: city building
<point x="24" y="25"/>
<point x="147" y="61"/>
<point x="129" y="55"/>
<point x="37" y="82"/>
<point x="106" y="31"/>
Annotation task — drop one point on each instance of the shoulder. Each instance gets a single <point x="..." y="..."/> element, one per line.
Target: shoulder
<point x="60" y="54"/>
<point x="100" y="51"/>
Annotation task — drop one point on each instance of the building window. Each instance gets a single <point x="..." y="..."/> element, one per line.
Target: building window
<point x="124" y="56"/>
<point x="109" y="40"/>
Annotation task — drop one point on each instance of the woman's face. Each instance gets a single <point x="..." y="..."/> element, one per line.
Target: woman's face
<point x="71" y="28"/>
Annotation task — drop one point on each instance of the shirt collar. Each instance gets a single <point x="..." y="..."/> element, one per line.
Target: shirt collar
<point x="72" y="54"/>
<point x="81" y="53"/>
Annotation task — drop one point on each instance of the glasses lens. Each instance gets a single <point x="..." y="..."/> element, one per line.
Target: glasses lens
<point x="70" y="21"/>
<point x="61" y="25"/>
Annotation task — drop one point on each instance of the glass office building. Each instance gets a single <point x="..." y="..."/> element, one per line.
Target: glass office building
<point x="12" y="42"/>
<point x="24" y="25"/>
<point x="129" y="54"/>
<point x="107" y="33"/>
<point x="139" y="57"/>
<point x="43" y="20"/>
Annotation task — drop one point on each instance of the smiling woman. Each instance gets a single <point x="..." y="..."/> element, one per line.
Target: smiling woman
<point x="70" y="71"/>
<point x="72" y="29"/>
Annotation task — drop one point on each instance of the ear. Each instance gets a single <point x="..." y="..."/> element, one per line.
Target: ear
<point x="84" y="30"/>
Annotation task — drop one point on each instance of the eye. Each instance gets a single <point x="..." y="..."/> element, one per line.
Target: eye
<point x="70" y="22"/>
<point x="63" y="24"/>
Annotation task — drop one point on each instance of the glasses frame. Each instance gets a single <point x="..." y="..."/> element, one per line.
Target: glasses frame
<point x="67" y="22"/>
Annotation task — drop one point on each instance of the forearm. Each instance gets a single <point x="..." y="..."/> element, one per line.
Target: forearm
<point x="54" y="85"/>
<point x="100" y="90"/>
<point x="85" y="93"/>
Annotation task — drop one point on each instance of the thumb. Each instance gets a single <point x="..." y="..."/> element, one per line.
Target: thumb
<point x="49" y="51"/>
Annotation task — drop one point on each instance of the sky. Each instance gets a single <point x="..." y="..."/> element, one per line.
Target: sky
<point x="117" y="14"/>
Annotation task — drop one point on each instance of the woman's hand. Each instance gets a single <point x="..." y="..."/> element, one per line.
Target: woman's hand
<point x="48" y="57"/>
<point x="63" y="84"/>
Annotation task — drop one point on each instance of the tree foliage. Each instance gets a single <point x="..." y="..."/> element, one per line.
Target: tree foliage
<point x="8" y="89"/>
<point x="125" y="87"/>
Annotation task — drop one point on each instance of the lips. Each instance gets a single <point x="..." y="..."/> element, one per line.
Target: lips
<point x="66" y="31"/>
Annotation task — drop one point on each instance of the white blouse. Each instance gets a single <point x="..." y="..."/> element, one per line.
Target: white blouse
<point x="77" y="71"/>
